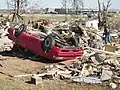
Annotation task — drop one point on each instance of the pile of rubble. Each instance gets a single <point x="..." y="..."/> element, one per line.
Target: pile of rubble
<point x="96" y="66"/>
<point x="93" y="67"/>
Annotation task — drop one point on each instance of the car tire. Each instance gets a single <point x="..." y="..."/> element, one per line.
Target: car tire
<point x="73" y="41"/>
<point x="22" y="28"/>
<point x="48" y="42"/>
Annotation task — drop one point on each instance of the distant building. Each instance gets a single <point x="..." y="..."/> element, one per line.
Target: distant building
<point x="84" y="11"/>
<point x="50" y="11"/>
<point x="69" y="11"/>
<point x="113" y="11"/>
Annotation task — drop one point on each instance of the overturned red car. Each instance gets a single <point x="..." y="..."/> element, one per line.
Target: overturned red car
<point x="45" y="46"/>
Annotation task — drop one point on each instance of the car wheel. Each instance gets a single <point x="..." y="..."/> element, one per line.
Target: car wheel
<point x="73" y="41"/>
<point x="48" y="42"/>
<point x="22" y="28"/>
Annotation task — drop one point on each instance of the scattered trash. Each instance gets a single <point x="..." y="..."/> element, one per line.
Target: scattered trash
<point x="113" y="85"/>
<point x="89" y="80"/>
<point x="106" y="75"/>
<point x="98" y="58"/>
<point x="95" y="62"/>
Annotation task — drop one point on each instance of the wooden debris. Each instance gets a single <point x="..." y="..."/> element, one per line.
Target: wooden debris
<point x="37" y="75"/>
<point x="36" y="80"/>
<point x="110" y="48"/>
<point x="113" y="85"/>
<point x="46" y="75"/>
<point x="26" y="75"/>
<point x="106" y="52"/>
<point x="65" y="76"/>
<point x="106" y="75"/>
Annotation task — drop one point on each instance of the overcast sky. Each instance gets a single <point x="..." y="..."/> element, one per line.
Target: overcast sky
<point x="57" y="3"/>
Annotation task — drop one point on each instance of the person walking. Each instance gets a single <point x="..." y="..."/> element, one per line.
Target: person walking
<point x="106" y="35"/>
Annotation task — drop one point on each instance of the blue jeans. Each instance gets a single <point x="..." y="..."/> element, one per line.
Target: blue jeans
<point x="107" y="39"/>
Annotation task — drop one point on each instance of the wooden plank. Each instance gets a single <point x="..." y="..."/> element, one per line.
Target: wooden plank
<point x="26" y="75"/>
<point x="29" y="75"/>
<point x="106" y="52"/>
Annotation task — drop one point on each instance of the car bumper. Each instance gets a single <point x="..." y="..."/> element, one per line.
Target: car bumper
<point x="68" y="55"/>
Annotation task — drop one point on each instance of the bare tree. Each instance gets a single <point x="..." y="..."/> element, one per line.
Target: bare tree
<point x="64" y="3"/>
<point x="77" y="5"/>
<point x="17" y="6"/>
<point x="102" y="15"/>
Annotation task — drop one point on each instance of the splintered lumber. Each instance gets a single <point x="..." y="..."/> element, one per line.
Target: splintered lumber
<point x="65" y="76"/>
<point x="26" y="75"/>
<point x="106" y="52"/>
<point x="71" y="69"/>
<point x="29" y="75"/>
